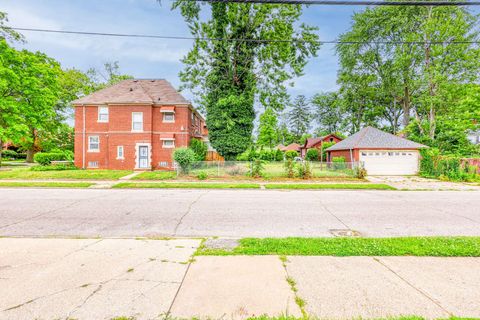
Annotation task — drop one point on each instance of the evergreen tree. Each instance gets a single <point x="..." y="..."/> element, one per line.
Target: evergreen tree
<point x="299" y="117"/>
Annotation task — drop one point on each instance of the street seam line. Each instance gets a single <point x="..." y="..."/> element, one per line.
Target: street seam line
<point x="437" y="303"/>
<point x="333" y="215"/>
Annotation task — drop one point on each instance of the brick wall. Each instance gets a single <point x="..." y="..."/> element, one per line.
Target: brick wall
<point x="118" y="132"/>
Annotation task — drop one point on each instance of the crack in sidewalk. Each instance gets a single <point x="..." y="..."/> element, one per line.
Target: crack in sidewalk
<point x="426" y="295"/>
<point x="187" y="212"/>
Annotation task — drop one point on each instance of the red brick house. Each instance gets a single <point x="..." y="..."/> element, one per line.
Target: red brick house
<point x="317" y="143"/>
<point x="381" y="153"/>
<point x="135" y="124"/>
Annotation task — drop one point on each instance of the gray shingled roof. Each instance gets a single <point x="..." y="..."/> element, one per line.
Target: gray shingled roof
<point x="156" y="91"/>
<point x="370" y="137"/>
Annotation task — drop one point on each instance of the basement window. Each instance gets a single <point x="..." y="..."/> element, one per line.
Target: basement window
<point x="93" y="164"/>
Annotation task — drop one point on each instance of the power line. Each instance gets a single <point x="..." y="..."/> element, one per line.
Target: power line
<point x="353" y="3"/>
<point x="152" y="36"/>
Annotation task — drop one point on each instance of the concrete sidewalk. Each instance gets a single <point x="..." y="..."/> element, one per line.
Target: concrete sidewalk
<point x="156" y="279"/>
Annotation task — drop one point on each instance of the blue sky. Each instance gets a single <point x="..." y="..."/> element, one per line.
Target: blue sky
<point x="154" y="58"/>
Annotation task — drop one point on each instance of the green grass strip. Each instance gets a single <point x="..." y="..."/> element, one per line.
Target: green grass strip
<point x="406" y="246"/>
<point x="186" y="185"/>
<point x="35" y="184"/>
<point x="363" y="186"/>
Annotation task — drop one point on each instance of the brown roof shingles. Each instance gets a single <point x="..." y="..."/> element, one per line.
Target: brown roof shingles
<point x="158" y="91"/>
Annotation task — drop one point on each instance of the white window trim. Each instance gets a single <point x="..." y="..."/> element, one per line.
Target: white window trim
<point x="134" y="130"/>
<point x="168" y="147"/>
<point x="93" y="150"/>
<point x="123" y="153"/>
<point x="98" y="114"/>
<point x="168" y="121"/>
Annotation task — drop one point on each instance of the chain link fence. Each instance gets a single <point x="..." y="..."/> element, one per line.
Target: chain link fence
<point x="270" y="169"/>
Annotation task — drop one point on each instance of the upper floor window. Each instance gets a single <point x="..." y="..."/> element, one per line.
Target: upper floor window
<point x="168" y="117"/>
<point x="93" y="143"/>
<point x="137" y="121"/>
<point x="103" y="114"/>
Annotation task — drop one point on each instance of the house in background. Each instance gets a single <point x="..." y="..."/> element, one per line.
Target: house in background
<point x="291" y="146"/>
<point x="134" y="124"/>
<point x="317" y="143"/>
<point x="380" y="152"/>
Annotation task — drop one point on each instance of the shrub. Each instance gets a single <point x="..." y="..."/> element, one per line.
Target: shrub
<point x="312" y="154"/>
<point x="202" y="175"/>
<point x="185" y="157"/>
<point x="46" y="159"/>
<point x="257" y="168"/>
<point x="289" y="168"/>
<point x="291" y="154"/>
<point x="339" y="163"/>
<point x="435" y="165"/>
<point x="304" y="170"/>
<point x="9" y="154"/>
<point x="200" y="149"/>
<point x="278" y="155"/>
<point x="243" y="156"/>
<point x="360" y="172"/>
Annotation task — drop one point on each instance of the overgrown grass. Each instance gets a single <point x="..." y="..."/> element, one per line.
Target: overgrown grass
<point x="186" y="185"/>
<point x="156" y="175"/>
<point x="364" y="186"/>
<point x="36" y="184"/>
<point x="27" y="174"/>
<point x="407" y="246"/>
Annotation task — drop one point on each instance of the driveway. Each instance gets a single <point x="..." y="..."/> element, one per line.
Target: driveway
<point x="419" y="183"/>
<point x="236" y="213"/>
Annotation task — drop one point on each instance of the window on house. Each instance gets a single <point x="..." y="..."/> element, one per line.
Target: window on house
<point x="120" y="152"/>
<point x="163" y="164"/>
<point x="169" y="143"/>
<point x="137" y="121"/>
<point x="103" y="114"/>
<point x="93" y="143"/>
<point x="93" y="164"/>
<point x="168" y="117"/>
<point x="331" y="139"/>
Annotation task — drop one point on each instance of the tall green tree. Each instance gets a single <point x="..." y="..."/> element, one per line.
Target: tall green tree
<point x="268" y="128"/>
<point x="405" y="57"/>
<point x="37" y="93"/>
<point x="238" y="67"/>
<point x="328" y="112"/>
<point x="299" y="117"/>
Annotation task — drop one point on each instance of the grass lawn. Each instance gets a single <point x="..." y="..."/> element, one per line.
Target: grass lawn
<point x="364" y="186"/>
<point x="186" y="185"/>
<point x="407" y="246"/>
<point x="27" y="174"/>
<point x="36" y="184"/>
<point x="156" y="175"/>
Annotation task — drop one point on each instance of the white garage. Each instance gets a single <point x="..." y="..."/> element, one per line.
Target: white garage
<point x="390" y="162"/>
<point x="380" y="153"/>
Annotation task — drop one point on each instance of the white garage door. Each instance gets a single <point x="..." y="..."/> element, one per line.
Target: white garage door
<point x="388" y="162"/>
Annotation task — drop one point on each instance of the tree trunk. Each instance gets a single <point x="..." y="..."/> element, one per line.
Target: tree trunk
<point x="406" y="106"/>
<point x="30" y="153"/>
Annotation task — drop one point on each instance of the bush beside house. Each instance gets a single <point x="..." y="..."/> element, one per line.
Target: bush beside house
<point x="435" y="165"/>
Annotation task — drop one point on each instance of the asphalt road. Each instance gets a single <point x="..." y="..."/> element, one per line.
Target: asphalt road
<point x="236" y="213"/>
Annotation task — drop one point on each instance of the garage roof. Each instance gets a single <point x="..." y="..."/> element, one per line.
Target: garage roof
<point x="371" y="137"/>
